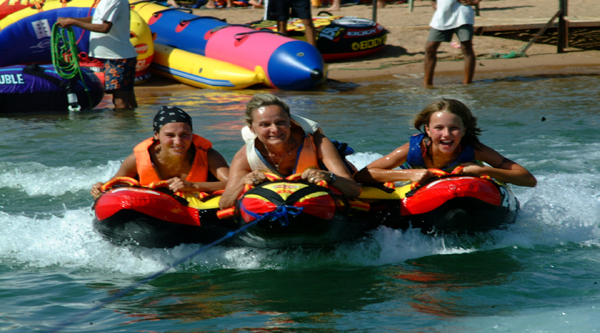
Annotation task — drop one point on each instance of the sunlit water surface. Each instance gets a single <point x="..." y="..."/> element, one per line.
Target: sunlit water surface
<point x="540" y="275"/>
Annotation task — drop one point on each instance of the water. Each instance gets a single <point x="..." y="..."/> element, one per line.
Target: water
<point x="540" y="275"/>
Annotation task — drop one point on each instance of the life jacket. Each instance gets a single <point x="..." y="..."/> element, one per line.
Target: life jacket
<point x="415" y="160"/>
<point x="307" y="156"/>
<point x="147" y="173"/>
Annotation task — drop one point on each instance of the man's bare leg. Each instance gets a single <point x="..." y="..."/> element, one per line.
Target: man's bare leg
<point x="470" y="60"/>
<point x="309" y="30"/>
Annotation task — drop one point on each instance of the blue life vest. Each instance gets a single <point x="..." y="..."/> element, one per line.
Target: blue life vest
<point x="415" y="160"/>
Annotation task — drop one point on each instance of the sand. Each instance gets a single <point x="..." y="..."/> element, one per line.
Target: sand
<point x="402" y="56"/>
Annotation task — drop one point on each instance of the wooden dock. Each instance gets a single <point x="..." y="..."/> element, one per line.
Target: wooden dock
<point x="580" y="33"/>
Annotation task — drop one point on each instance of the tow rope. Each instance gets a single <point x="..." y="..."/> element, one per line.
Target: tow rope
<point x="281" y="211"/>
<point x="151" y="277"/>
<point x="64" y="58"/>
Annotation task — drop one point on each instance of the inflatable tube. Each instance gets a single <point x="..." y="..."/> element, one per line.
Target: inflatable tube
<point x="199" y="71"/>
<point x="297" y="213"/>
<point x="153" y="218"/>
<point x="286" y="63"/>
<point x="452" y="203"/>
<point x="286" y="212"/>
<point x="8" y="7"/>
<point x="338" y="37"/>
<point x="39" y="89"/>
<point x="150" y="218"/>
<point x="25" y="35"/>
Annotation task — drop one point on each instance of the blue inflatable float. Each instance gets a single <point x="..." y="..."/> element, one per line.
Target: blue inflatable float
<point x="39" y="88"/>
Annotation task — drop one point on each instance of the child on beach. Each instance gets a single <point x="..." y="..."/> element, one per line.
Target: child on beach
<point x="448" y="139"/>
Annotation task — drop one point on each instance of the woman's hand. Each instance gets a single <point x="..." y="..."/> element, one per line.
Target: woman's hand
<point x="254" y="178"/>
<point x="315" y="175"/>
<point x="96" y="190"/>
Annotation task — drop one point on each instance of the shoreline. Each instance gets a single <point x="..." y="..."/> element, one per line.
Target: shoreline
<point x="575" y="63"/>
<point x="402" y="56"/>
<point x="447" y="72"/>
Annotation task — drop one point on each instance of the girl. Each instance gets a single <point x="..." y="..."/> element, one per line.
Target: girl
<point x="185" y="160"/>
<point x="449" y="138"/>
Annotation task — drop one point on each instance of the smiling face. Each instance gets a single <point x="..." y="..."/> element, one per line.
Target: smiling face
<point x="445" y="130"/>
<point x="271" y="125"/>
<point x="175" y="138"/>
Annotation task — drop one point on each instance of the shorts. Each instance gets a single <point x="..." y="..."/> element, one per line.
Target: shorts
<point x="119" y="74"/>
<point x="464" y="33"/>
<point x="300" y="9"/>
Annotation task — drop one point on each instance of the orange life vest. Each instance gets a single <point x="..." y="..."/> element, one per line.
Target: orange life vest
<point x="147" y="173"/>
<point x="308" y="155"/>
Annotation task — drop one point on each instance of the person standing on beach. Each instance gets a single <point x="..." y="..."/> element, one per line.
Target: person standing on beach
<point x="109" y="42"/>
<point x="302" y="9"/>
<point x="451" y="17"/>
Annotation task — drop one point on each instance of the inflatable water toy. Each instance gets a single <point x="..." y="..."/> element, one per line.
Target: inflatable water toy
<point x="285" y="63"/>
<point x="8" y="7"/>
<point x="290" y="212"/>
<point x="126" y="213"/>
<point x="338" y="37"/>
<point x="297" y="213"/>
<point x="25" y="35"/>
<point x="452" y="203"/>
<point x="199" y="71"/>
<point x="151" y="217"/>
<point x="40" y="88"/>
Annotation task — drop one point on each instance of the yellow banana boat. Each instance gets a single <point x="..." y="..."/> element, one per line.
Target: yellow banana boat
<point x="200" y="71"/>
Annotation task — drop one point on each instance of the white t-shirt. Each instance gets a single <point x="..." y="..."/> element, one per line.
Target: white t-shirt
<point x="452" y="14"/>
<point x="115" y="44"/>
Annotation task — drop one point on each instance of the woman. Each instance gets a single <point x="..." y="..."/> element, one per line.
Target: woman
<point x="174" y="154"/>
<point x="450" y="139"/>
<point x="280" y="143"/>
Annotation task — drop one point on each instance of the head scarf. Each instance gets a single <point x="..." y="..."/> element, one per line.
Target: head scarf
<point x="170" y="114"/>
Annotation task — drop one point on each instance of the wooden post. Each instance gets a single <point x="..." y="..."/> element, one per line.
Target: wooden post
<point x="539" y="34"/>
<point x="374" y="10"/>
<point x="563" y="28"/>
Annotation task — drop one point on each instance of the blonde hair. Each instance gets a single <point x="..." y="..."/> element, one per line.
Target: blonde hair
<point x="259" y="100"/>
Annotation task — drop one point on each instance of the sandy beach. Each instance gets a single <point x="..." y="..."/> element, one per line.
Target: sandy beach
<point x="402" y="56"/>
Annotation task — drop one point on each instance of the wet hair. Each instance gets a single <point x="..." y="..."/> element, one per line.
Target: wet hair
<point x="455" y="107"/>
<point x="264" y="100"/>
<point x="170" y="114"/>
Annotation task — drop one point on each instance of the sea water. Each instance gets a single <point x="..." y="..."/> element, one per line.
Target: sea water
<point x="541" y="274"/>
